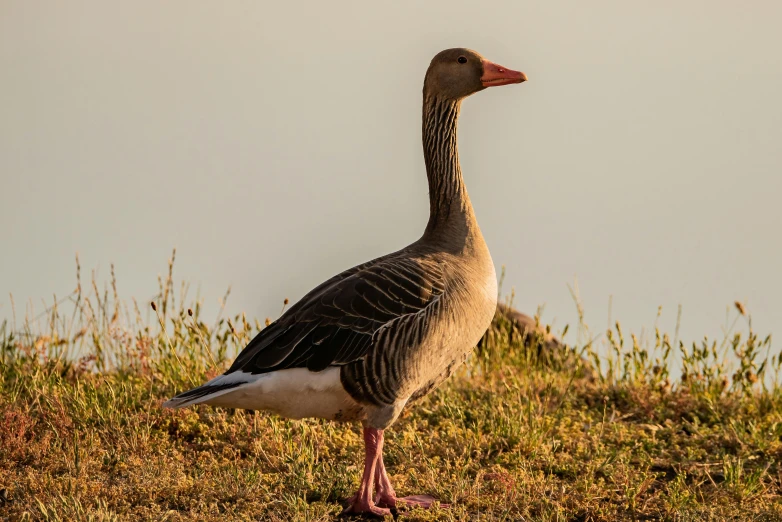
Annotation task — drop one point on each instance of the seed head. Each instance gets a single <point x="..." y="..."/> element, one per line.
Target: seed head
<point x="154" y="306"/>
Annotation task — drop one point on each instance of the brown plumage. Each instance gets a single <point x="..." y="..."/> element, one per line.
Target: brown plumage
<point x="367" y="341"/>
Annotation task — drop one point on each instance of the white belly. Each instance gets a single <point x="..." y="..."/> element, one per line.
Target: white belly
<point x="295" y="393"/>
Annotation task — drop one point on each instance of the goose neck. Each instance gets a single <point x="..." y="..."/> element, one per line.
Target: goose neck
<point x="450" y="210"/>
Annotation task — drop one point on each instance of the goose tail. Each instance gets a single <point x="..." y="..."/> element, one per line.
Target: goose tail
<point x="209" y="391"/>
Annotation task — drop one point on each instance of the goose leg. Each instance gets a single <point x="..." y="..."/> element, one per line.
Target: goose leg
<point x="385" y="491"/>
<point x="362" y="502"/>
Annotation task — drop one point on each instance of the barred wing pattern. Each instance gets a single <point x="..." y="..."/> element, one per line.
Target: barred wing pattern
<point x="362" y="318"/>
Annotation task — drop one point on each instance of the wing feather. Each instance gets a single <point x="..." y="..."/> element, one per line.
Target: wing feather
<point x="371" y="307"/>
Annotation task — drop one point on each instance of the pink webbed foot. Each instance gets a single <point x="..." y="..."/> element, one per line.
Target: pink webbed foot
<point x="413" y="501"/>
<point x="364" y="507"/>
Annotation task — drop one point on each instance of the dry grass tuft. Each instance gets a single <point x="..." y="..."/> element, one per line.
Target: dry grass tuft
<point x="523" y="432"/>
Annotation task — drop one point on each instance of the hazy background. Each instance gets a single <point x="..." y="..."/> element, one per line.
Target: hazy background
<point x="276" y="143"/>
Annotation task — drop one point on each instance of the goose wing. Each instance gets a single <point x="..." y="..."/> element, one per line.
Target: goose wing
<point x="338" y="322"/>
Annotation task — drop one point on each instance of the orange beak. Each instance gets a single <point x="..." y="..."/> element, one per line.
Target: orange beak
<point x="494" y="75"/>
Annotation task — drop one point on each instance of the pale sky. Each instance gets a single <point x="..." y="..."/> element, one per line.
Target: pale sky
<point x="277" y="143"/>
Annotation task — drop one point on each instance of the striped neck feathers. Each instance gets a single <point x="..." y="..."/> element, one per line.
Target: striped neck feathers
<point x="450" y="211"/>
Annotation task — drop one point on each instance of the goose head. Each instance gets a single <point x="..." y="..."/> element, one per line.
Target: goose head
<point x="457" y="73"/>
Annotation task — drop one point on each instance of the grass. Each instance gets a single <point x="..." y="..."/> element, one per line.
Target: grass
<point x="650" y="430"/>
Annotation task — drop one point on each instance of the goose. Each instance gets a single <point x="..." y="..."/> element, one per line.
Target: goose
<point x="373" y="339"/>
<point x="528" y="328"/>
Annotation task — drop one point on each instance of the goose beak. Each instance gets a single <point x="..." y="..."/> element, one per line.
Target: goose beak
<point x="494" y="75"/>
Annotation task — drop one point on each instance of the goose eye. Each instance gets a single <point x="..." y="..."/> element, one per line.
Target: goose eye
<point x="462" y="59"/>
